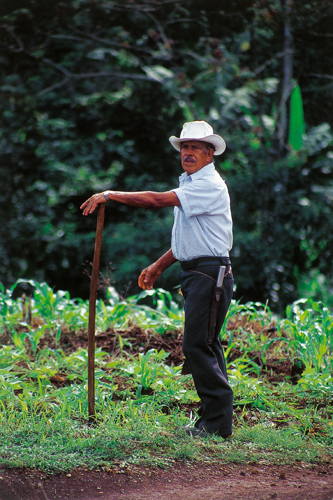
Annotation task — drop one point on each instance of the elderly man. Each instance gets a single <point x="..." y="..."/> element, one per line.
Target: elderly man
<point x="201" y="241"/>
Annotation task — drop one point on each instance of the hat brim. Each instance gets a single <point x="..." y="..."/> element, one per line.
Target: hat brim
<point x="217" y="141"/>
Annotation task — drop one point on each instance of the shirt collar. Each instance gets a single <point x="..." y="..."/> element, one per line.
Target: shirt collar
<point x="197" y="175"/>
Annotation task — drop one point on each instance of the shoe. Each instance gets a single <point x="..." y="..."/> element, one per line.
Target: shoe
<point x="202" y="432"/>
<point x="225" y="436"/>
<point x="193" y="431"/>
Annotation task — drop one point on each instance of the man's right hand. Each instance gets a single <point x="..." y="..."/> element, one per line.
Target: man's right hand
<point x="89" y="205"/>
<point x="148" y="276"/>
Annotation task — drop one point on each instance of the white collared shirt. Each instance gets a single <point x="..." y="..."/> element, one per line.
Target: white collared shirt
<point x="202" y="224"/>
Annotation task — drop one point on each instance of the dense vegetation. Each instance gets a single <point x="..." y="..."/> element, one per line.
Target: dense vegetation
<point x="90" y="92"/>
<point x="280" y="370"/>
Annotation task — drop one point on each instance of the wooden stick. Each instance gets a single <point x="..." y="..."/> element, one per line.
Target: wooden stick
<point x="30" y="310"/>
<point x="92" y="312"/>
<point x="23" y="308"/>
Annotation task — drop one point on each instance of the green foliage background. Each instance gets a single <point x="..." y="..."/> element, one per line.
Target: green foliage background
<point x="90" y="91"/>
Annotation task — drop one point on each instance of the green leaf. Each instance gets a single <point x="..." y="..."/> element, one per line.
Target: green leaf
<point x="296" y="124"/>
<point x="158" y="73"/>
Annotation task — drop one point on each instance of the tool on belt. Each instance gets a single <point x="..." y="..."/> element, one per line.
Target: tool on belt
<point x="215" y="305"/>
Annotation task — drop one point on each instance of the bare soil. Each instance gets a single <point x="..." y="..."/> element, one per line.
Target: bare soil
<point x="184" y="481"/>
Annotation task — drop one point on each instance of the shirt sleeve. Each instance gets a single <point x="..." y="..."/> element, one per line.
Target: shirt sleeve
<point x="183" y="202"/>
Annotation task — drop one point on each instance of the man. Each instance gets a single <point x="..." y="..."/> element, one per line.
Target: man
<point x="201" y="240"/>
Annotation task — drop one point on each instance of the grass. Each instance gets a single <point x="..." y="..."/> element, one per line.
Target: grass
<point x="138" y="432"/>
<point x="143" y="402"/>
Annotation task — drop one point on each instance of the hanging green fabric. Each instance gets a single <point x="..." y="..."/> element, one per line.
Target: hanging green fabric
<point x="296" y="123"/>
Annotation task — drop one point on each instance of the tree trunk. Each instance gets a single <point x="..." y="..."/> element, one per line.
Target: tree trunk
<point x="286" y="83"/>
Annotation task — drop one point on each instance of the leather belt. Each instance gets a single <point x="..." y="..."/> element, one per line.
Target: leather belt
<point x="214" y="261"/>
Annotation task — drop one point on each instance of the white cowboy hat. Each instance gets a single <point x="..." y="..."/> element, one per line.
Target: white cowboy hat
<point x="199" y="131"/>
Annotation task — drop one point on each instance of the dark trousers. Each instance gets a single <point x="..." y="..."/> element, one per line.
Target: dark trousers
<point x="206" y="362"/>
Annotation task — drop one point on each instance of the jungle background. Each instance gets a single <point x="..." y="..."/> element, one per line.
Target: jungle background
<point x="91" y="90"/>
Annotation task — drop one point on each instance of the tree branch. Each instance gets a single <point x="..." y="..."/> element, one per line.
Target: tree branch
<point x="270" y="61"/>
<point x="160" y="29"/>
<point x="106" y="42"/>
<point x="149" y="5"/>
<point x="321" y="34"/>
<point x="52" y="87"/>
<point x="58" y="67"/>
<point x="112" y="74"/>
<point x="79" y="76"/>
<point x="330" y="77"/>
<point x="20" y="44"/>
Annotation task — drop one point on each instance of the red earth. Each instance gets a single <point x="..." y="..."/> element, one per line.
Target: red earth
<point x="183" y="481"/>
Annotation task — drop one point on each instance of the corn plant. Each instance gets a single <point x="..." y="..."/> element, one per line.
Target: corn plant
<point x="164" y="314"/>
<point x="149" y="369"/>
<point x="310" y="332"/>
<point x="10" y="310"/>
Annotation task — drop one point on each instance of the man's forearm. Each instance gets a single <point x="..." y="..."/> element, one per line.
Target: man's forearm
<point x="166" y="261"/>
<point x="144" y="199"/>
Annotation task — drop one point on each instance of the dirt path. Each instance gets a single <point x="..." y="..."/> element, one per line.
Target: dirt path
<point x="181" y="482"/>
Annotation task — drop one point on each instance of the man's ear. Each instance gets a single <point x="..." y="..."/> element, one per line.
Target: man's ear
<point x="211" y="153"/>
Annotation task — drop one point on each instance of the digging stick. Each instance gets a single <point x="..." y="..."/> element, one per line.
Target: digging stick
<point x="92" y="312"/>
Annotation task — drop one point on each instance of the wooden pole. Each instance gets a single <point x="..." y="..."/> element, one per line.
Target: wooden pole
<point x="92" y="312"/>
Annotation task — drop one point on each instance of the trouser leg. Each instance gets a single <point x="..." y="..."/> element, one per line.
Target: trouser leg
<point x="206" y="361"/>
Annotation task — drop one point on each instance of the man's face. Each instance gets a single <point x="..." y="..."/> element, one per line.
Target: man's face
<point x="194" y="155"/>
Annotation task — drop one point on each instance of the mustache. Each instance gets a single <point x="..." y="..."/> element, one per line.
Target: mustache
<point x="189" y="159"/>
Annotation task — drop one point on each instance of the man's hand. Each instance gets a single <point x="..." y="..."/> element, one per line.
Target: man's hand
<point x="89" y="205"/>
<point x="148" y="276"/>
